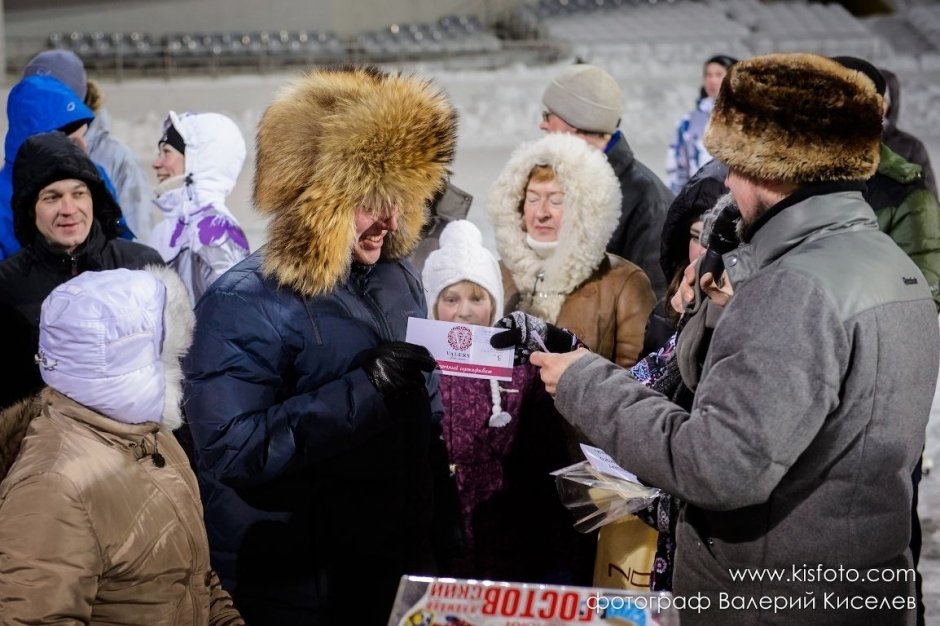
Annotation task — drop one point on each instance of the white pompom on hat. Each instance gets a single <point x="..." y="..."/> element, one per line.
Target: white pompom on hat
<point x="462" y="256"/>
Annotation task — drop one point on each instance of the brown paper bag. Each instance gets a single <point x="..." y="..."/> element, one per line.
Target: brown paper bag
<point x="625" y="552"/>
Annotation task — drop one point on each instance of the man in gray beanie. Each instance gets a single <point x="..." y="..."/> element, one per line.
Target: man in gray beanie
<point x="135" y="193"/>
<point x="62" y="64"/>
<point x="586" y="101"/>
<point x="795" y="458"/>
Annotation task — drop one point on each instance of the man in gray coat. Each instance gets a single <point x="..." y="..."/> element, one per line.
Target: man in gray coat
<point x="795" y="459"/>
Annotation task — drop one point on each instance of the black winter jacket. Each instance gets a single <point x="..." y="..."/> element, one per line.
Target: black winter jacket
<point x="27" y="277"/>
<point x="645" y="200"/>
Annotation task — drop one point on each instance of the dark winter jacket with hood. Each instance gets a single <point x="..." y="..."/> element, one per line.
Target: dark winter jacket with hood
<point x="449" y="204"/>
<point x="697" y="196"/>
<point x="37" y="104"/>
<point x="27" y="277"/>
<point x="317" y="492"/>
<point x="903" y="143"/>
<point x="643" y="206"/>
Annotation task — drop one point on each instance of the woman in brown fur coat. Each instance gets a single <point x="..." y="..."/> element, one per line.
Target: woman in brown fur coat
<point x="553" y="208"/>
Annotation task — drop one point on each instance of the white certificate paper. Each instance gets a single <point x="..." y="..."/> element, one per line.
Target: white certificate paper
<point x="462" y="349"/>
<point x="605" y="464"/>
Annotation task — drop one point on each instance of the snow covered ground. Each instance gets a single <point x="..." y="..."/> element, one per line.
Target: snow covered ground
<point x="498" y="110"/>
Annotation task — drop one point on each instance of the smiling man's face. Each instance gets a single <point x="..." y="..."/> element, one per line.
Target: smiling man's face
<point x="64" y="213"/>
<point x="371" y="229"/>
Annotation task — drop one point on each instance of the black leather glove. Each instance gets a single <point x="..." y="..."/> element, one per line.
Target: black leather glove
<point x="397" y="368"/>
<point x="529" y="334"/>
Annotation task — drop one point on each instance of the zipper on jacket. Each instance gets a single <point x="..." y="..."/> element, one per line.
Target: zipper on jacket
<point x="182" y="519"/>
<point x="188" y="181"/>
<point x="361" y="280"/>
<point x="156" y="457"/>
<point x="539" y="277"/>
<point x="73" y="266"/>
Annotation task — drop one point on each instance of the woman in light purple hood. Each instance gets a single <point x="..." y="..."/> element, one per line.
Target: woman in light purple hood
<point x="100" y="516"/>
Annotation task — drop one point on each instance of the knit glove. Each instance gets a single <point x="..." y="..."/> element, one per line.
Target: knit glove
<point x="397" y="369"/>
<point x="529" y="334"/>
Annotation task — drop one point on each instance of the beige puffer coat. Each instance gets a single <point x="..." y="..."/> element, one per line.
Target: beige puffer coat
<point x="100" y="523"/>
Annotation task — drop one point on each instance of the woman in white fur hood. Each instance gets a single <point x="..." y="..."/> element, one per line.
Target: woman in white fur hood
<point x="554" y="207"/>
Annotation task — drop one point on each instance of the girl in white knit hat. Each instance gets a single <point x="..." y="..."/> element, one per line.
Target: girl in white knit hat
<point x="500" y="440"/>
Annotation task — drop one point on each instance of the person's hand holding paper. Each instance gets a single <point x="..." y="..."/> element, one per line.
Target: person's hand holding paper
<point x="527" y="334"/>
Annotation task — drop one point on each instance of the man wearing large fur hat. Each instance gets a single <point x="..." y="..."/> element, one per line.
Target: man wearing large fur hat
<point x="311" y="418"/>
<point x="796" y="456"/>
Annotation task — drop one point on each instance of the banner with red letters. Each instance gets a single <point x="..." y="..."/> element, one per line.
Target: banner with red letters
<point x="452" y="602"/>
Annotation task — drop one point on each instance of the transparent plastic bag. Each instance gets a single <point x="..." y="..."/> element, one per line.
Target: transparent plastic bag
<point x="597" y="499"/>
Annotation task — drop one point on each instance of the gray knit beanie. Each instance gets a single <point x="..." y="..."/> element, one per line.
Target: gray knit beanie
<point x="64" y="65"/>
<point x="586" y="97"/>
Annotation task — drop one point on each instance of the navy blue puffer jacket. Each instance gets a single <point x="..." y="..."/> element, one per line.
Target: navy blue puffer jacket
<point x="307" y="475"/>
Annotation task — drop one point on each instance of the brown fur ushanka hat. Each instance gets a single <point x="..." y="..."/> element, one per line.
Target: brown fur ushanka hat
<point x="338" y="139"/>
<point x="796" y="118"/>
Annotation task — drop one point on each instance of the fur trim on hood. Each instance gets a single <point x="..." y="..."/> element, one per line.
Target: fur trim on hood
<point x="94" y="99"/>
<point x="179" y="322"/>
<point x="14" y="421"/>
<point x="338" y="139"/>
<point x="592" y="210"/>
<point x="798" y="118"/>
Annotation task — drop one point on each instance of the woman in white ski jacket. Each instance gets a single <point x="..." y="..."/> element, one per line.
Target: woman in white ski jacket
<point x="200" y="157"/>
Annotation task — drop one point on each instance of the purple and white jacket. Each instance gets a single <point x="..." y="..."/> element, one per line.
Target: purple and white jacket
<point x="199" y="237"/>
